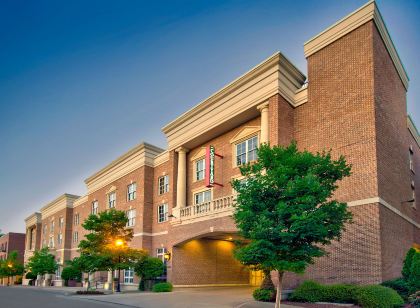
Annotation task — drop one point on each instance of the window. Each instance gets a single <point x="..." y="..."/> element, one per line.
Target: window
<point x="131" y="215"/>
<point x="44" y="243"/>
<point x="76" y="219"/>
<point x="95" y="206"/>
<point x="44" y="230"/>
<point x="131" y="191"/>
<point x="58" y="271"/>
<point x="160" y="254"/>
<point x="61" y="222"/>
<point x="163" y="212"/>
<point x="410" y="157"/>
<point x="51" y="242"/>
<point x="75" y="237"/>
<point x="59" y="239"/>
<point x="129" y="275"/>
<point x="203" y="196"/>
<point x="112" y="197"/>
<point x="246" y="151"/>
<point x="163" y="182"/>
<point x="52" y="226"/>
<point x="200" y="169"/>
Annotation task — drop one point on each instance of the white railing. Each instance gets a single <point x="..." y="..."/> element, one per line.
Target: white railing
<point x="214" y="206"/>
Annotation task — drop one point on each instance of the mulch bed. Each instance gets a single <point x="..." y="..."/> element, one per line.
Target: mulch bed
<point x="313" y="305"/>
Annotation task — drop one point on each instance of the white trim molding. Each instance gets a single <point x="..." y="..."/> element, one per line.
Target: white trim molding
<point x="413" y="130"/>
<point x="385" y="204"/>
<point x="150" y="234"/>
<point x="65" y="200"/>
<point x="349" y="23"/>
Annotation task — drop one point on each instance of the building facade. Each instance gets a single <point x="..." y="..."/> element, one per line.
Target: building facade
<point x="11" y="242"/>
<point x="352" y="102"/>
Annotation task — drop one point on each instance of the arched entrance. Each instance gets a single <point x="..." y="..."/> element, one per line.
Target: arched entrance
<point x="207" y="260"/>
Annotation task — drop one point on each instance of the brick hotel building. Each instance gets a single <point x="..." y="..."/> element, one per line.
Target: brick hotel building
<point x="354" y="103"/>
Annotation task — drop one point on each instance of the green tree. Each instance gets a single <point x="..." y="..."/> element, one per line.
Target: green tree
<point x="11" y="266"/>
<point x="285" y="209"/>
<point x="148" y="268"/>
<point x="42" y="262"/>
<point x="407" y="263"/>
<point x="106" y="246"/>
<point x="71" y="272"/>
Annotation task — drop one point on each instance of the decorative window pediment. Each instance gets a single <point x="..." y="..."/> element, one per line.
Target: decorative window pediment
<point x="111" y="189"/>
<point x="244" y="133"/>
<point x="199" y="154"/>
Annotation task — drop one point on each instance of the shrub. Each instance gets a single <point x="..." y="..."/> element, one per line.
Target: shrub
<point x="264" y="295"/>
<point x="400" y="285"/>
<point x="378" y="297"/>
<point x="311" y="291"/>
<point x="308" y="291"/>
<point x="406" y="270"/>
<point x="414" y="299"/>
<point x="162" y="287"/>
<point x="414" y="278"/>
<point x="71" y="273"/>
<point x="30" y="275"/>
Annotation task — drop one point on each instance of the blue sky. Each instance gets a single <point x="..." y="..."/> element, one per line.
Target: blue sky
<point x="81" y="82"/>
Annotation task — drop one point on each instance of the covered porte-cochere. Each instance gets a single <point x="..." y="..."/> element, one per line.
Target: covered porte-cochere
<point x="207" y="260"/>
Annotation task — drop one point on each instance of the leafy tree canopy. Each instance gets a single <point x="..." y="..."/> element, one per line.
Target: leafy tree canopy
<point x="149" y="268"/>
<point x="99" y="249"/>
<point x="11" y="266"/>
<point x="285" y="208"/>
<point x="42" y="262"/>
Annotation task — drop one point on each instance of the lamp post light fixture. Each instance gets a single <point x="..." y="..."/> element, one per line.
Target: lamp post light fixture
<point x="167" y="256"/>
<point x="9" y="265"/>
<point x="119" y="243"/>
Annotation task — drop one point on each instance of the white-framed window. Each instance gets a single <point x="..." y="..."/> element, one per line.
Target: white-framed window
<point x="59" y="238"/>
<point x="61" y="222"/>
<point x="58" y="271"/>
<point x="163" y="183"/>
<point x="200" y="169"/>
<point x="76" y="219"/>
<point x="75" y="237"/>
<point x="160" y="254"/>
<point x="131" y="191"/>
<point x="131" y="215"/>
<point x="95" y="207"/>
<point x="163" y="212"/>
<point x="112" y="199"/>
<point x="52" y="224"/>
<point x="129" y="276"/>
<point x="202" y="196"/>
<point x="246" y="151"/>
<point x="51" y="242"/>
<point x="44" y="229"/>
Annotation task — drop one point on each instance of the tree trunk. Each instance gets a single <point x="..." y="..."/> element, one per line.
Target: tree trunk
<point x="279" y="287"/>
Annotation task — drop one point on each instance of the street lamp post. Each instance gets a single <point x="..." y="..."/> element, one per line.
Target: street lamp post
<point x="9" y="265"/>
<point x="119" y="243"/>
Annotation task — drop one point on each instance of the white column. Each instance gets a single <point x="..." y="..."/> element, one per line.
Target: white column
<point x="265" y="131"/>
<point x="181" y="187"/>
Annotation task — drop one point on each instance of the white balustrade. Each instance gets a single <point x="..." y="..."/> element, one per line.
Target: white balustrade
<point x="214" y="206"/>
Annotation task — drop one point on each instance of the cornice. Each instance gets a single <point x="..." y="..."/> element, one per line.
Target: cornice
<point x="275" y="75"/>
<point x="143" y="154"/>
<point x="33" y="219"/>
<point x="161" y="158"/>
<point x="413" y="130"/>
<point x="80" y="201"/>
<point x="349" y="23"/>
<point x="62" y="202"/>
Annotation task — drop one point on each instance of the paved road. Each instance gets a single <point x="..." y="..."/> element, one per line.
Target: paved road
<point x="19" y="297"/>
<point x="27" y="297"/>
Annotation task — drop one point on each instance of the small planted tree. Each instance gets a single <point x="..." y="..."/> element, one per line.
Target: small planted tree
<point x="285" y="209"/>
<point x="406" y="270"/>
<point x="42" y="262"/>
<point x="72" y="271"/>
<point x="148" y="268"/>
<point x="106" y="246"/>
<point x="11" y="266"/>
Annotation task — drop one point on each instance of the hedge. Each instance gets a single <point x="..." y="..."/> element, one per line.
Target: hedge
<point x="365" y="296"/>
<point x="264" y="295"/>
<point x="162" y="287"/>
<point x="400" y="285"/>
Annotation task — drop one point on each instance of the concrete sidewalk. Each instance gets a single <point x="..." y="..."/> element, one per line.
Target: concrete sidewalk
<point x="239" y="297"/>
